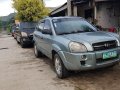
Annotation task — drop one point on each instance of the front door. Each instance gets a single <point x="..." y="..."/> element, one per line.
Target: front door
<point x="47" y="39"/>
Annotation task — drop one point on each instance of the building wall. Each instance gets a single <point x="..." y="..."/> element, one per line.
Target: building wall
<point x="81" y="11"/>
<point x="108" y="14"/>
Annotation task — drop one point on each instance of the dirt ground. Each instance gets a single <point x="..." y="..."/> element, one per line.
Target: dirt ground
<point x="21" y="70"/>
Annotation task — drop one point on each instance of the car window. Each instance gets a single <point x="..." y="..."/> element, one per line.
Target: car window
<point x="27" y="25"/>
<point x="47" y="25"/>
<point x="40" y="26"/>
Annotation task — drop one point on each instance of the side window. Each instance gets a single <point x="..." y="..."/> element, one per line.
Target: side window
<point x="47" y="25"/>
<point x="40" y="26"/>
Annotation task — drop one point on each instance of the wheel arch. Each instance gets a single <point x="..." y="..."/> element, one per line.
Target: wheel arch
<point x="57" y="50"/>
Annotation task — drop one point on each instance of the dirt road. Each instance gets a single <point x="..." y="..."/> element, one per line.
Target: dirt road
<point x="20" y="70"/>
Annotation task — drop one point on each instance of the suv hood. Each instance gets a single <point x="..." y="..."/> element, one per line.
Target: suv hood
<point x="90" y="37"/>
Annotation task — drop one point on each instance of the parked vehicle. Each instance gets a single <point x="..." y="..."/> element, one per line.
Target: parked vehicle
<point x="13" y="30"/>
<point x="74" y="44"/>
<point x="24" y="33"/>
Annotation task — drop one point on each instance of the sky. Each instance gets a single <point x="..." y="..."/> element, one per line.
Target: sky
<point x="6" y="5"/>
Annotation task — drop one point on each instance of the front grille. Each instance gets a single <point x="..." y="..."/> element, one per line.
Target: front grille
<point x="104" y="45"/>
<point x="31" y="37"/>
<point x="100" y="60"/>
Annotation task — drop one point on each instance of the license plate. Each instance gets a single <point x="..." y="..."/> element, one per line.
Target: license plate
<point x="108" y="55"/>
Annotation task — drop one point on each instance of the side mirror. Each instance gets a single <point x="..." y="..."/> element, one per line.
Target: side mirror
<point x="38" y="28"/>
<point x="47" y="31"/>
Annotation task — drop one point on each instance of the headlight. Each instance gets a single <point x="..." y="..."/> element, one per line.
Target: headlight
<point x="24" y="34"/>
<point x="77" y="47"/>
<point x="118" y="41"/>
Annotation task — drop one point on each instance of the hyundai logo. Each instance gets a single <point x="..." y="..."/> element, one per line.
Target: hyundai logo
<point x="106" y="45"/>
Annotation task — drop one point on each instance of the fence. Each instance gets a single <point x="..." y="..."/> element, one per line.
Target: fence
<point x="117" y="30"/>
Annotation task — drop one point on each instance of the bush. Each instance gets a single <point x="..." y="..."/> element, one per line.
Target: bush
<point x="9" y="29"/>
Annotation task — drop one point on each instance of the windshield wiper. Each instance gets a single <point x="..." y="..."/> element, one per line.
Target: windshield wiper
<point x="71" y="32"/>
<point x="81" y="31"/>
<point x="64" y="33"/>
<point x="77" y="31"/>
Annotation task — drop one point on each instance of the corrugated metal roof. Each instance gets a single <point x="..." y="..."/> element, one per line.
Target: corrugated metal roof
<point x="64" y="6"/>
<point x="105" y="0"/>
<point x="79" y="1"/>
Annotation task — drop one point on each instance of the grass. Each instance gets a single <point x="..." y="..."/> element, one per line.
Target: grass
<point x="0" y="30"/>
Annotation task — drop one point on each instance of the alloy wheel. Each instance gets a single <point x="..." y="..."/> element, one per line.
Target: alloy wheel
<point x="58" y="66"/>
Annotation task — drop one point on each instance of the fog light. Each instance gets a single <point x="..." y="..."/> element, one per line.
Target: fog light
<point x="82" y="63"/>
<point x="84" y="57"/>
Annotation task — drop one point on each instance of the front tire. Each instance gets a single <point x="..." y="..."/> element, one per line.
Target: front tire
<point x="22" y="43"/>
<point x="60" y="69"/>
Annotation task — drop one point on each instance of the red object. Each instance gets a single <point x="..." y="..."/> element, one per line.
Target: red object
<point x="112" y="29"/>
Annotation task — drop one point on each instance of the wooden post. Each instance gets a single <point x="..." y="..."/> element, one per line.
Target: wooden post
<point x="95" y="12"/>
<point x="69" y="10"/>
<point x="75" y="11"/>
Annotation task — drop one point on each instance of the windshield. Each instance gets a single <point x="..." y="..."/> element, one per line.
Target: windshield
<point x="72" y="25"/>
<point x="27" y="26"/>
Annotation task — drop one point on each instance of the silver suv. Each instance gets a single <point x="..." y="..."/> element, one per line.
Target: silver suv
<point x="73" y="44"/>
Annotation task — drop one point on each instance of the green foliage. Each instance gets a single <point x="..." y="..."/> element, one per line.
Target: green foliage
<point x="30" y="10"/>
<point x="8" y="28"/>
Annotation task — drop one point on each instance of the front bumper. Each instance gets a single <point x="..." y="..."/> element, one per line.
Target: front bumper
<point x="74" y="61"/>
<point x="28" y="40"/>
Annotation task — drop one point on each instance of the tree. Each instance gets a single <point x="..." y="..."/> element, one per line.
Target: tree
<point x="30" y="10"/>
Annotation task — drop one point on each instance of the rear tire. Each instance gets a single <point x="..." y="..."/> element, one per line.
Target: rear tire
<point x="14" y="36"/>
<point x="60" y="69"/>
<point x="37" y="52"/>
